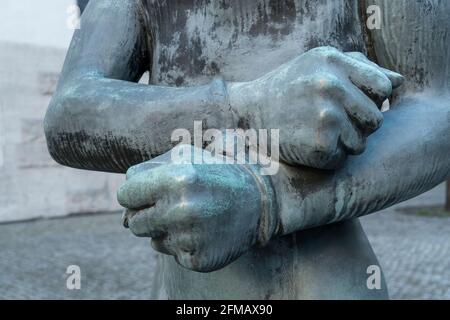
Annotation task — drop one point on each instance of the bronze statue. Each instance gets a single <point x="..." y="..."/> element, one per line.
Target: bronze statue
<point x="310" y="68"/>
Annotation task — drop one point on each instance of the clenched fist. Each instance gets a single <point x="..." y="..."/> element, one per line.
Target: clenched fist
<point x="325" y="103"/>
<point x="206" y="216"/>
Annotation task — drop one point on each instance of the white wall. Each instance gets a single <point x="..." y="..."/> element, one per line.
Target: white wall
<point x="38" y="22"/>
<point x="33" y="41"/>
<point x="32" y="185"/>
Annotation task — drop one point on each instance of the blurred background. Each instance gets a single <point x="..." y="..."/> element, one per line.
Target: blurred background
<point x="34" y="38"/>
<point x="52" y="217"/>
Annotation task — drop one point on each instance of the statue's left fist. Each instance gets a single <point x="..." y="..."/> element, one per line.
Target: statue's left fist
<point x="205" y="215"/>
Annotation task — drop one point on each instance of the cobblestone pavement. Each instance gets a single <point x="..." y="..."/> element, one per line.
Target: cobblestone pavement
<point x="414" y="252"/>
<point x="35" y="256"/>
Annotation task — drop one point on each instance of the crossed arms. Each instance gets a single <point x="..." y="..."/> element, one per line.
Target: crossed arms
<point x="100" y="119"/>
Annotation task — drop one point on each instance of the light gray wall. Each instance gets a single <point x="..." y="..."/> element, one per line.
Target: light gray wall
<point x="39" y="22"/>
<point x="33" y="41"/>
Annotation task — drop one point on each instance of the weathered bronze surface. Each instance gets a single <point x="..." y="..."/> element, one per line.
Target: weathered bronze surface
<point x="300" y="66"/>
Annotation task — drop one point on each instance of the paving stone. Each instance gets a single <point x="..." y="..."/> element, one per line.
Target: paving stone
<point x="414" y="252"/>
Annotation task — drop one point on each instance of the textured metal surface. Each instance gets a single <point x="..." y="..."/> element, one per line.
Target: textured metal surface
<point x="100" y="120"/>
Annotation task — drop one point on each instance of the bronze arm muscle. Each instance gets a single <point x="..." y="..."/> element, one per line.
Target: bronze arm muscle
<point x="99" y="118"/>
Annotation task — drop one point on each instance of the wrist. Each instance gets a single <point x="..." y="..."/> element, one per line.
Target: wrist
<point x="244" y="104"/>
<point x="269" y="222"/>
<point x="218" y="95"/>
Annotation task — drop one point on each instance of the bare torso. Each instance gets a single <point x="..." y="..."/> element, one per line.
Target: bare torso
<point x="242" y="40"/>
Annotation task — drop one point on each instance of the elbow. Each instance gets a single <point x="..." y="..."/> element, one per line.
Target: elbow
<point x="72" y="134"/>
<point x="57" y="127"/>
<point x="53" y="130"/>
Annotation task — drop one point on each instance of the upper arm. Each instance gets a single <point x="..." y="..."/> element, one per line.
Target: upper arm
<point x="112" y="41"/>
<point x="414" y="40"/>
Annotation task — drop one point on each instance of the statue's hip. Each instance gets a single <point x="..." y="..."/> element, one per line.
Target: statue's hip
<point x="329" y="262"/>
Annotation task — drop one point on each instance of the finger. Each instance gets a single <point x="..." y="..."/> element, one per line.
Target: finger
<point x="371" y="80"/>
<point x="134" y="170"/>
<point x="360" y="108"/>
<point x="141" y="191"/>
<point x="168" y="215"/>
<point x="148" y="165"/>
<point x="323" y="148"/>
<point x="348" y="136"/>
<point x="396" y="78"/>
<point x="144" y="188"/>
<point x="141" y="224"/>
<point x="161" y="221"/>
<point x="366" y="114"/>
<point x="351" y="138"/>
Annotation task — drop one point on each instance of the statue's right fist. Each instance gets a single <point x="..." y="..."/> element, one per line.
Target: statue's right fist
<point x="205" y="215"/>
<point x="325" y="103"/>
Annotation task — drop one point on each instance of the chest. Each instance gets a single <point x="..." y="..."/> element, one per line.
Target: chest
<point x="241" y="39"/>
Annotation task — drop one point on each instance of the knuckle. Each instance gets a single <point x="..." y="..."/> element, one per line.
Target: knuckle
<point x="183" y="213"/>
<point x="191" y="179"/>
<point x="358" y="55"/>
<point x="383" y="84"/>
<point x="130" y="173"/>
<point x="122" y="196"/>
<point x="328" y="117"/>
<point x="374" y="122"/>
<point x="177" y="211"/>
<point x="326" y="83"/>
<point x="186" y="178"/>
<point x="135" y="170"/>
<point x="315" y="51"/>
<point x="325" y="52"/>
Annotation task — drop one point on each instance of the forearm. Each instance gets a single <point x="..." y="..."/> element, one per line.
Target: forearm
<point x="109" y="125"/>
<point x="99" y="118"/>
<point x="408" y="156"/>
